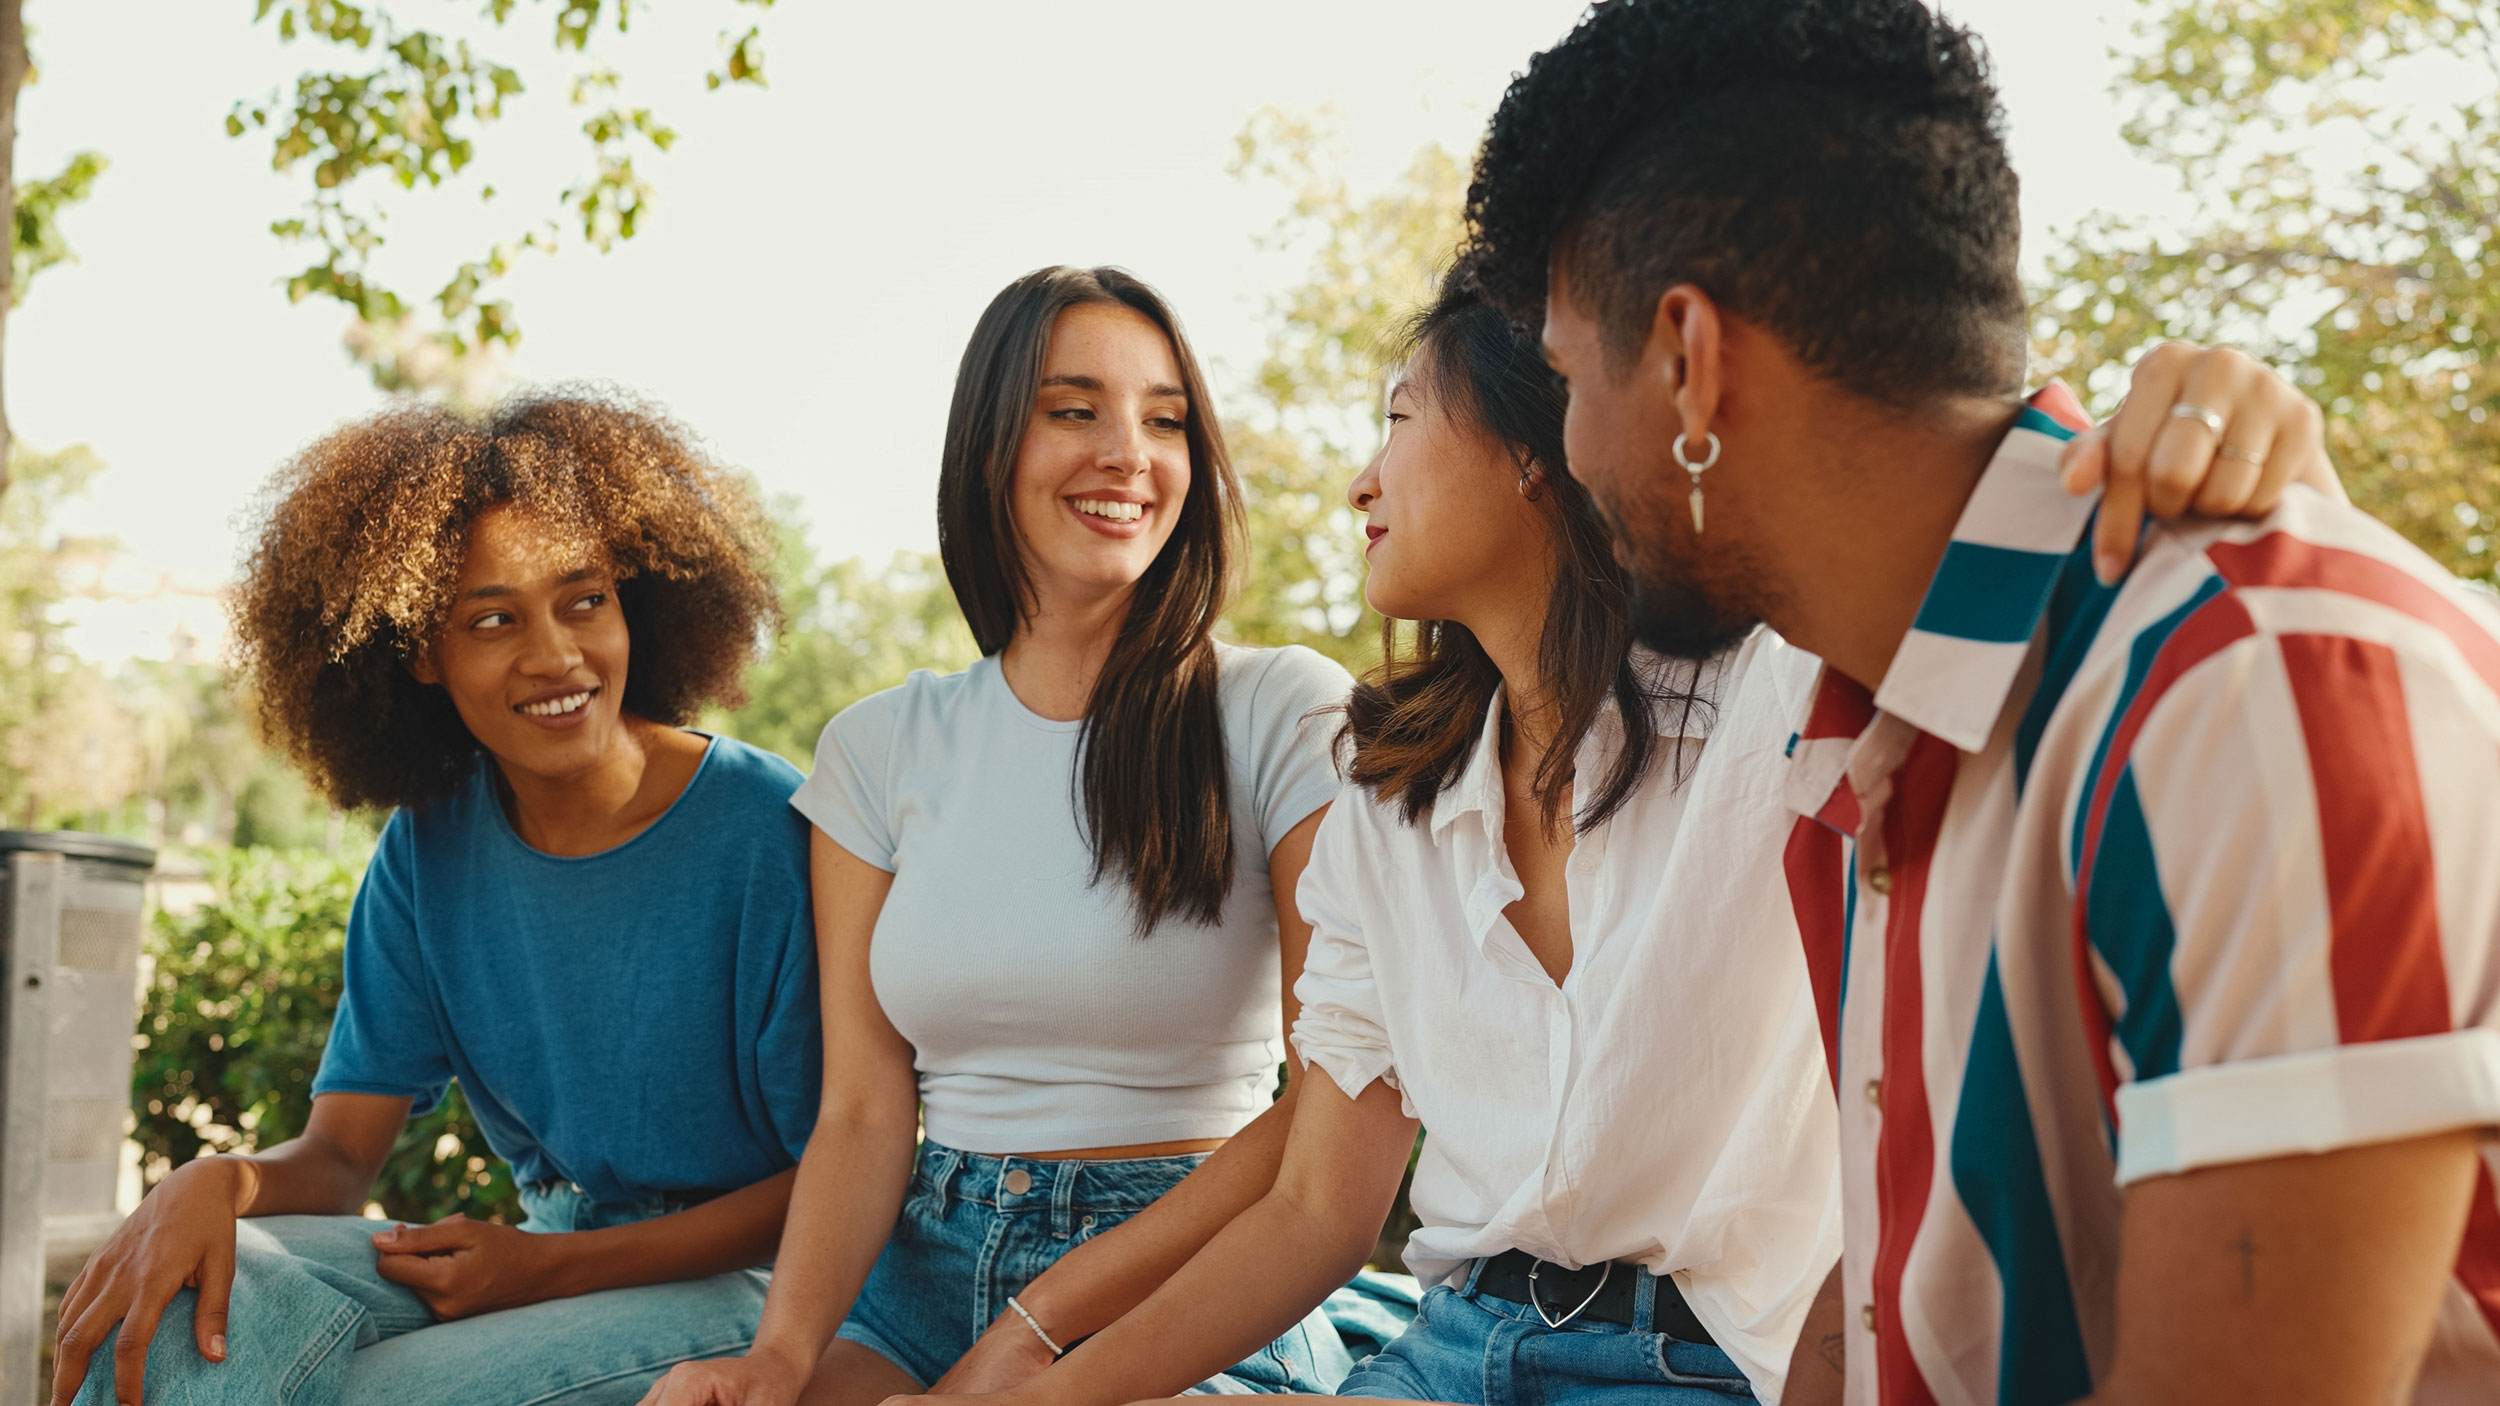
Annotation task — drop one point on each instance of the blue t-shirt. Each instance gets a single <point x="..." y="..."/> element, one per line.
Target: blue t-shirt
<point x="638" y="1021"/>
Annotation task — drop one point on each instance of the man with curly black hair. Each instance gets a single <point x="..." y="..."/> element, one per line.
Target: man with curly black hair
<point x="2149" y="895"/>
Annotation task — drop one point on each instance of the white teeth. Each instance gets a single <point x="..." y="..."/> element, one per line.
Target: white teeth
<point x="1110" y="511"/>
<point x="557" y="707"/>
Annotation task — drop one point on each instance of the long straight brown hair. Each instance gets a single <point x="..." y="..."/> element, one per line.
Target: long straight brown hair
<point x="1151" y="784"/>
<point x="1413" y="721"/>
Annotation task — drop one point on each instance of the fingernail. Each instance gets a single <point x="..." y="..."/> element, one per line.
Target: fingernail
<point x="2106" y="568"/>
<point x="217" y="1347"/>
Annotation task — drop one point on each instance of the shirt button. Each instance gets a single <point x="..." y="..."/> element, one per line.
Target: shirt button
<point x="1866" y="1316"/>
<point x="1879" y="879"/>
<point x="1875" y="1092"/>
<point x="1017" y="1181"/>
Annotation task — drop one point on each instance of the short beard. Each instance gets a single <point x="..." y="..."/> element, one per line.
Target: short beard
<point x="1673" y="612"/>
<point x="1675" y="617"/>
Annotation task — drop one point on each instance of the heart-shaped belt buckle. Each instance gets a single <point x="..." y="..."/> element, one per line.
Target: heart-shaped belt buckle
<point x="1550" y="1320"/>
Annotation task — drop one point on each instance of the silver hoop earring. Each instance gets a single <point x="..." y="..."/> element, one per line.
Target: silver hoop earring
<point x="1685" y="462"/>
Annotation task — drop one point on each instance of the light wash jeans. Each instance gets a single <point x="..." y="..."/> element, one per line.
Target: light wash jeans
<point x="1471" y="1347"/>
<point x="312" y="1323"/>
<point x="975" y="1229"/>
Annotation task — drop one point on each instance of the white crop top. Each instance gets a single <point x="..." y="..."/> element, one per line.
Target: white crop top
<point x="1039" y="1019"/>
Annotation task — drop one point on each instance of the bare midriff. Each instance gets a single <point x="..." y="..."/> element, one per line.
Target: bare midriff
<point x="1182" y="1148"/>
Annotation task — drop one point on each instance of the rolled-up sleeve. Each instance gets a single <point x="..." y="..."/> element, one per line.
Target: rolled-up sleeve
<point x="2273" y="893"/>
<point x="1342" y="1029"/>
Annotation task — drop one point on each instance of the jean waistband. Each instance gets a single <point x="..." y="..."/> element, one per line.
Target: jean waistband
<point x="1617" y="1297"/>
<point x="1039" y="1184"/>
<point x="557" y="1204"/>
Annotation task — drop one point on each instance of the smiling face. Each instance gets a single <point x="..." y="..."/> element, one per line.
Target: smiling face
<point x="1450" y="533"/>
<point x="534" y="652"/>
<point x="1104" y="466"/>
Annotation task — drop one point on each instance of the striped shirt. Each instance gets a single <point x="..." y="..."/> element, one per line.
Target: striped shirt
<point x="2111" y="883"/>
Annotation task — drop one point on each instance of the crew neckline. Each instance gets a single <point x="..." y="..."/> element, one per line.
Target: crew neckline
<point x="1016" y="706"/>
<point x="493" y="801"/>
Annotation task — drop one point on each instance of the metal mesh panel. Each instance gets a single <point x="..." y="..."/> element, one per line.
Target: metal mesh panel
<point x="84" y="1129"/>
<point x="96" y="938"/>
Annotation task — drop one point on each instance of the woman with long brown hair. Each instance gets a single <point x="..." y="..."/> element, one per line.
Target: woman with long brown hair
<point x="1054" y="890"/>
<point x="1549" y="928"/>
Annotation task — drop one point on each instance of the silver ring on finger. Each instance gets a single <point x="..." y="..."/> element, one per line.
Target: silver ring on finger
<point x="2210" y="420"/>
<point x="2233" y="451"/>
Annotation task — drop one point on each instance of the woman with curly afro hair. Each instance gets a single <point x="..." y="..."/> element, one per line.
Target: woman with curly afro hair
<point x="594" y="918"/>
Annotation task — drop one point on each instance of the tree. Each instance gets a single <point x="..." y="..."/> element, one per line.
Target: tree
<point x="1310" y="417"/>
<point x="410" y="113"/>
<point x="852" y="631"/>
<point x="13" y="66"/>
<point x="2377" y="281"/>
<point x="45" y="693"/>
<point x="30" y="211"/>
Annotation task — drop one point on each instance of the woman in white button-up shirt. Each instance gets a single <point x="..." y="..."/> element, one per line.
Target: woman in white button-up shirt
<point x="1505" y="930"/>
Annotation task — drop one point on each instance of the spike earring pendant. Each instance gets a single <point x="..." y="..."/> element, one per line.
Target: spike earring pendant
<point x="1685" y="462"/>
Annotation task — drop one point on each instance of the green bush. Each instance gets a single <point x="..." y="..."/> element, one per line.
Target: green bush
<point x="232" y="1029"/>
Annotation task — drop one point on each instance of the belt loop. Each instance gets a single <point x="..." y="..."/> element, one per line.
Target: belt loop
<point x="1063" y="1198"/>
<point x="948" y="1161"/>
<point x="1475" y="1271"/>
<point x="1644" y="1300"/>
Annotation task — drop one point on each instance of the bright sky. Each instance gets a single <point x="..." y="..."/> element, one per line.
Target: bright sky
<point x="818" y="252"/>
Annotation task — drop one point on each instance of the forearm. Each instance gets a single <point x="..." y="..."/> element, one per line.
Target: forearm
<point x="735" y="1231"/>
<point x="1094" y="1284"/>
<point x="304" y="1176"/>
<point x="844" y="1199"/>
<point x="1251" y="1282"/>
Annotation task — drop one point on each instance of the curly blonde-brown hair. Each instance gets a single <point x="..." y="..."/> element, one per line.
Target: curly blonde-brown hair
<point x="361" y="537"/>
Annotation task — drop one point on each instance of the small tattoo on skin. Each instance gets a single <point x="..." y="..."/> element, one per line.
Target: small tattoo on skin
<point x="1834" y="1350"/>
<point x="2246" y="1246"/>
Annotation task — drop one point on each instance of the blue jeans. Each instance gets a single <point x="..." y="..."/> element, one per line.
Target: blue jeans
<point x="1467" y="1347"/>
<point x="976" y="1229"/>
<point x="312" y="1323"/>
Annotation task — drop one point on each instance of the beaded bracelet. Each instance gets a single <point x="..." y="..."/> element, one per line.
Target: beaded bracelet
<point x="1036" y="1325"/>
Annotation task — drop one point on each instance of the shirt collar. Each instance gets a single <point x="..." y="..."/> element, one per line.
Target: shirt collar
<point x="1957" y="666"/>
<point x="1478" y="789"/>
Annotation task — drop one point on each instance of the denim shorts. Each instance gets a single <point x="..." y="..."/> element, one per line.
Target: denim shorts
<point x="976" y="1229"/>
<point x="1470" y="1347"/>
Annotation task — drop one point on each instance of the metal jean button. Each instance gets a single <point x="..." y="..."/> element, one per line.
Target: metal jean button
<point x="1017" y="1181"/>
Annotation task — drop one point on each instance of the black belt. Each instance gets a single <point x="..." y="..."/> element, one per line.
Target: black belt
<point x="673" y="1200"/>
<point x="1609" y="1292"/>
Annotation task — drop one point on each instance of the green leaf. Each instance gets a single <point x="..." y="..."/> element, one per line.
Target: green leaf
<point x="35" y="241"/>
<point x="410" y="113"/>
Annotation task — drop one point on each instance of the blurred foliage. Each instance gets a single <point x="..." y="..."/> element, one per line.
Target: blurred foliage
<point x="408" y="110"/>
<point x="232" y="1026"/>
<point x="2378" y="277"/>
<point x="55" y="752"/>
<point x="852" y="630"/>
<point x="1310" y="418"/>
<point x="35" y="242"/>
<point x="155" y="750"/>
